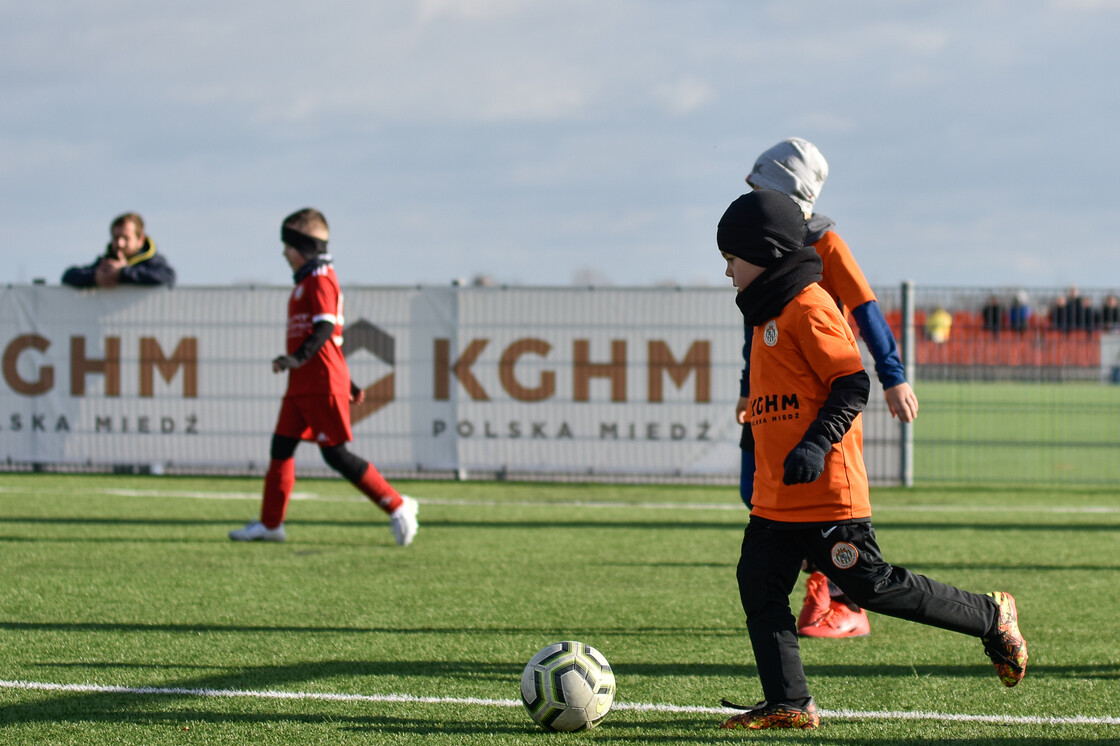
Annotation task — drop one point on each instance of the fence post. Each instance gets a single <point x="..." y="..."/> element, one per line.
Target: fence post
<point x="906" y="445"/>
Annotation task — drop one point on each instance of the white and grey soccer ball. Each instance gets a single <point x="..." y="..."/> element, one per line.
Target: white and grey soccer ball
<point x="568" y="686"/>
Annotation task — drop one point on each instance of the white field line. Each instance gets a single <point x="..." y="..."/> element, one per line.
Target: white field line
<point x="635" y="706"/>
<point x="619" y="504"/>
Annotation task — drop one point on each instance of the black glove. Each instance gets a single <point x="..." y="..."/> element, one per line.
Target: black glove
<point x="806" y="461"/>
<point x="284" y="362"/>
<point x="319" y="335"/>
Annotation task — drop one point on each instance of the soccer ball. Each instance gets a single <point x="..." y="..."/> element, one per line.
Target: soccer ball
<point x="567" y="686"/>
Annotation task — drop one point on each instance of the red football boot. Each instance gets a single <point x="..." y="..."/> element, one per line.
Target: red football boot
<point x="824" y="616"/>
<point x="817" y="600"/>
<point x="841" y="621"/>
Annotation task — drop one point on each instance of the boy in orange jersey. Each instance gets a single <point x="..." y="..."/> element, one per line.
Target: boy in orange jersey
<point x="316" y="405"/>
<point x="796" y="167"/>
<point x="811" y="500"/>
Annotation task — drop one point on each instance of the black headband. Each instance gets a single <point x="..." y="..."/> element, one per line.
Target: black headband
<point x="302" y="242"/>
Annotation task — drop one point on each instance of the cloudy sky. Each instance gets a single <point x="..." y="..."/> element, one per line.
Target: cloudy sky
<point x="547" y="142"/>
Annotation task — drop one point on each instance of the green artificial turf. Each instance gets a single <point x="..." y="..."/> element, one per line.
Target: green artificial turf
<point x="131" y="582"/>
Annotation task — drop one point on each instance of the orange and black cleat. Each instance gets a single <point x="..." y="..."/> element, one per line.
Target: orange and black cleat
<point x="1007" y="648"/>
<point x="764" y="715"/>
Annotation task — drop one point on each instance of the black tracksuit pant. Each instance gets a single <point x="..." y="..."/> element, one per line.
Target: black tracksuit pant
<point x="848" y="554"/>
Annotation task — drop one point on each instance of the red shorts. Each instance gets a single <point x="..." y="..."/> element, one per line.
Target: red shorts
<point x="324" y="420"/>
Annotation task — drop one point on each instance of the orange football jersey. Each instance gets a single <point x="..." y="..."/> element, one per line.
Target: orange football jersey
<point x="795" y="357"/>
<point x="843" y="279"/>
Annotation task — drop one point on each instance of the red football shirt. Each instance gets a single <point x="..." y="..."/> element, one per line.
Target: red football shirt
<point x="317" y="298"/>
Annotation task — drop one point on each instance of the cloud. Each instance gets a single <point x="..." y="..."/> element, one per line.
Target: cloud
<point x="684" y="95"/>
<point x="431" y="10"/>
<point x="462" y="137"/>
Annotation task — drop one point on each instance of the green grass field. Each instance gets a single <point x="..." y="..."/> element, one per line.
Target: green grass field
<point x="1000" y="432"/>
<point x="128" y="617"/>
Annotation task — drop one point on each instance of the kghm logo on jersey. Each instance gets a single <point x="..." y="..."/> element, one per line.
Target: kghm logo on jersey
<point x="844" y="555"/>
<point x="770" y="333"/>
<point x="775" y="404"/>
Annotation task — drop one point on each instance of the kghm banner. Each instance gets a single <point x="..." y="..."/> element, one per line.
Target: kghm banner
<point x="514" y="380"/>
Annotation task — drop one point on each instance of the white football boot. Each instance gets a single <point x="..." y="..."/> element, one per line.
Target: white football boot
<point x="257" y="531"/>
<point x="403" y="522"/>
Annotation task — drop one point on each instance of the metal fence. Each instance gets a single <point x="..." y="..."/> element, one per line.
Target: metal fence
<point x="1007" y="394"/>
<point x="1015" y="385"/>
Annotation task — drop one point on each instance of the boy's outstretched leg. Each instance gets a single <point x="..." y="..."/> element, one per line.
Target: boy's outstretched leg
<point x="851" y="558"/>
<point x="402" y="509"/>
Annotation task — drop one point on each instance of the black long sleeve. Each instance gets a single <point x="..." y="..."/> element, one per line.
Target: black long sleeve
<point x="320" y="333"/>
<point x="845" y="400"/>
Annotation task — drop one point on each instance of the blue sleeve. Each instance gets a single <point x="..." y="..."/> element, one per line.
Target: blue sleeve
<point x="745" y="378"/>
<point x="876" y="334"/>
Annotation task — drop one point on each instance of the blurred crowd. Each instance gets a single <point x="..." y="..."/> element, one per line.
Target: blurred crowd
<point x="1069" y="312"/>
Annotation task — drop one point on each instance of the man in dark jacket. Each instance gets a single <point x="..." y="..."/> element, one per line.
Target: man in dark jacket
<point x="130" y="258"/>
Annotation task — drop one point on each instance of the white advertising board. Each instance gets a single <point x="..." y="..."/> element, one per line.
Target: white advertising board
<point x="543" y="380"/>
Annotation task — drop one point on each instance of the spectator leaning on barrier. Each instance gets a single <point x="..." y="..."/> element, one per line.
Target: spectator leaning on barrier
<point x="316" y="405"/>
<point x="795" y="167"/>
<point x="811" y="497"/>
<point x="129" y="259"/>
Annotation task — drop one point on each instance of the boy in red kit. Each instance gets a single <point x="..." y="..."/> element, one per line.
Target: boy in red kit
<point x="811" y="500"/>
<point x="316" y="405"/>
